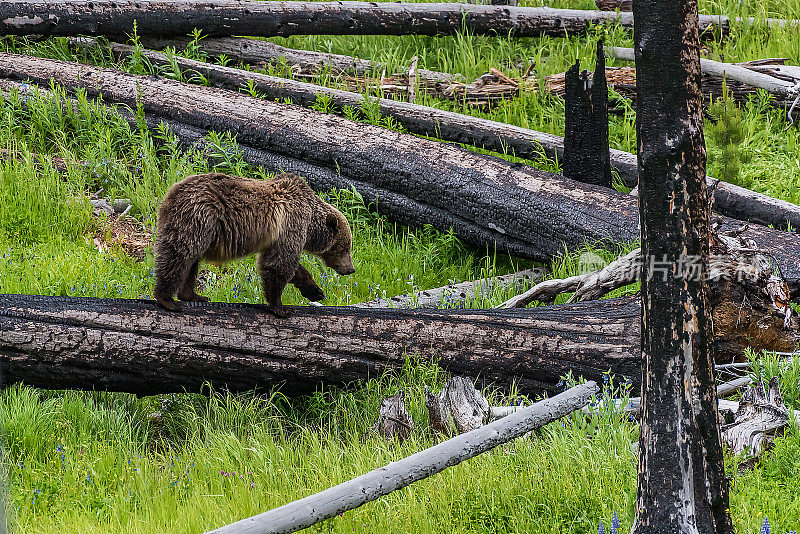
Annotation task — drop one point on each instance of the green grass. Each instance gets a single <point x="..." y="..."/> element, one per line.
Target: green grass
<point x="103" y="462"/>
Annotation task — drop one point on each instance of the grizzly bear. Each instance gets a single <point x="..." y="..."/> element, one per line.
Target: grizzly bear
<point x="217" y="217"/>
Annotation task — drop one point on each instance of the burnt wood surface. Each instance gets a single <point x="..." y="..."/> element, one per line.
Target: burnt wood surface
<point x="586" y="151"/>
<point x="729" y="199"/>
<point x="135" y="346"/>
<point x="272" y="19"/>
<point x="526" y="212"/>
<point x="681" y="475"/>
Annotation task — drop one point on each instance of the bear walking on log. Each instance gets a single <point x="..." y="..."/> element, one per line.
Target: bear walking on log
<point x="217" y="217"/>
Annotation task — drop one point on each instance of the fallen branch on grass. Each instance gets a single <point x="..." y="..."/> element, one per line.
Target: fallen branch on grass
<point x="457" y="295"/>
<point x="382" y="481"/>
<point x="259" y="19"/>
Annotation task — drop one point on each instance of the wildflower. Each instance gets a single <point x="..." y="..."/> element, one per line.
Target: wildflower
<point x="601" y="529"/>
<point x="765" y="526"/>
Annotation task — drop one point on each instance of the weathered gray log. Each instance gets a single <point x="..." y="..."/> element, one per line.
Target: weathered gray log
<point x="384" y="480"/>
<point x="134" y="346"/>
<point x="785" y="91"/>
<point x="528" y="212"/>
<point x="730" y="200"/>
<point x="456" y="295"/>
<point x="627" y="5"/>
<point x="272" y="19"/>
<point x="258" y="52"/>
<point x="732" y="386"/>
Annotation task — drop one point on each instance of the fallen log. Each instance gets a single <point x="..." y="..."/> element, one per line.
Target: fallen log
<point x="134" y="346"/>
<point x="305" y="512"/>
<point x="57" y="162"/>
<point x="487" y="90"/>
<point x="627" y="5"/>
<point x="784" y="84"/>
<point x="456" y="295"/>
<point x="261" y="53"/>
<point x="529" y="213"/>
<point x="730" y="200"/>
<point x="283" y="19"/>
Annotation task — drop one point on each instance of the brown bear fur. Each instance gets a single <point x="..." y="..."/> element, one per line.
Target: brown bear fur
<point x="217" y="217"/>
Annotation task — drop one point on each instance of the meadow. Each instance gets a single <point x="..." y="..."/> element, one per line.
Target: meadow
<point x="111" y="462"/>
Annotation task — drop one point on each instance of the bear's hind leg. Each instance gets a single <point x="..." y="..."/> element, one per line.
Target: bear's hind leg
<point x="308" y="287"/>
<point x="187" y="292"/>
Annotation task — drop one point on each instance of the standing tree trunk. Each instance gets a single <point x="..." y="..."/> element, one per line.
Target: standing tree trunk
<point x="682" y="486"/>
<point x="586" y="152"/>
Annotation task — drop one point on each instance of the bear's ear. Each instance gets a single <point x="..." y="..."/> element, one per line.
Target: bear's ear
<point x="332" y="222"/>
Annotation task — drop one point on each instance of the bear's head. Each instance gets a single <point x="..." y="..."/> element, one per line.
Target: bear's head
<point x="340" y="241"/>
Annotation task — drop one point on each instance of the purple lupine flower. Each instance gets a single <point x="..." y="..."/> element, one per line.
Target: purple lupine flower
<point x="614" y="523"/>
<point x="765" y="526"/>
<point x="601" y="529"/>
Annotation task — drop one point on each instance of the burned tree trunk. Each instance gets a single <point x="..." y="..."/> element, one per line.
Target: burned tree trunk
<point x="272" y="19"/>
<point x="586" y="151"/>
<point x="134" y="346"/>
<point x="682" y="485"/>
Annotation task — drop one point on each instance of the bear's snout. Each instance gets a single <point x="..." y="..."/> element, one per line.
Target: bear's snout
<point x="345" y="269"/>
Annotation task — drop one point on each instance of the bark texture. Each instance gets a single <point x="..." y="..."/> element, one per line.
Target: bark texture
<point x="729" y="199"/>
<point x="586" y="151"/>
<point x="272" y="19"/>
<point x="682" y="485"/>
<point x="487" y="201"/>
<point x="134" y="346"/>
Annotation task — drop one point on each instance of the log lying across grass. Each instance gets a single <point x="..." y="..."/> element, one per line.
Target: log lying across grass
<point x="334" y="501"/>
<point x="271" y="19"/>
<point x="134" y="346"/>
<point x="782" y="89"/>
<point x="730" y="200"/>
<point x="523" y="211"/>
<point x="259" y="53"/>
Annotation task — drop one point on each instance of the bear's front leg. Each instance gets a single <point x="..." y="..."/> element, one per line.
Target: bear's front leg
<point x="277" y="266"/>
<point x="306" y="284"/>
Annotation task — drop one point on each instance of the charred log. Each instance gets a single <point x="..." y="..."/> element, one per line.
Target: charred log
<point x="229" y="17"/>
<point x="134" y="346"/>
<point x="730" y="200"/>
